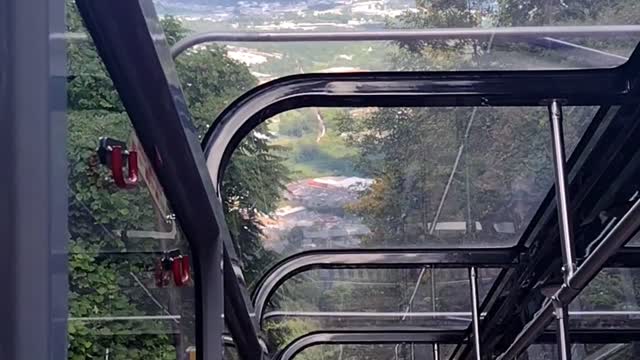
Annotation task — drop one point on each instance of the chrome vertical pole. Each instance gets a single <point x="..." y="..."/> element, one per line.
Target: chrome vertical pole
<point x="473" y="280"/>
<point x="562" y="319"/>
<point x="436" y="348"/>
<point x="562" y="192"/>
<point x="565" y="223"/>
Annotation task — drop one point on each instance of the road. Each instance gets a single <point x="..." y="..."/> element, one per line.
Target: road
<point x="322" y="129"/>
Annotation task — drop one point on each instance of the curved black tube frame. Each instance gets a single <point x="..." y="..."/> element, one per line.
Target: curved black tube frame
<point x="411" y="89"/>
<point x="370" y="336"/>
<point x="375" y="258"/>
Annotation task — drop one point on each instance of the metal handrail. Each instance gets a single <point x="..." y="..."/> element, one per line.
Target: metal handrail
<point x="442" y="34"/>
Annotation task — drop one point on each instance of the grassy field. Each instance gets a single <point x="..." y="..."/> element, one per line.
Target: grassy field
<point x="307" y="157"/>
<point x="298" y="130"/>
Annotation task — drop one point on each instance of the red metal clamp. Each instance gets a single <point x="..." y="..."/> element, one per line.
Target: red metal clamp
<point x="114" y="153"/>
<point x="181" y="270"/>
<point x="173" y="264"/>
<point x="117" y="168"/>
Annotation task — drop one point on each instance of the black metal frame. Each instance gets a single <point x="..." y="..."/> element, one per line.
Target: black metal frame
<point x="628" y="227"/>
<point x="375" y="258"/>
<point x="431" y="89"/>
<point x="413" y="89"/>
<point x="396" y="258"/>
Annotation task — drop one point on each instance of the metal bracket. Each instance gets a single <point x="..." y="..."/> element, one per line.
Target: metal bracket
<point x="114" y="154"/>
<point x="173" y="263"/>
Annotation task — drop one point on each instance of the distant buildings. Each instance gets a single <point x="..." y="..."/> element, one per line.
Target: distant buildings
<point x="315" y="217"/>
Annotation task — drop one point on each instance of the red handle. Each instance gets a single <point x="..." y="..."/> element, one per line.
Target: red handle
<point x="117" y="168"/>
<point x="181" y="270"/>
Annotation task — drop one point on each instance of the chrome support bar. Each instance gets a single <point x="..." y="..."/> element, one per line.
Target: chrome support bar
<point x="510" y="34"/>
<point x="562" y="192"/>
<point x="397" y="315"/>
<point x="565" y="223"/>
<point x="475" y="306"/>
<point x="436" y="348"/>
<point x="562" y="319"/>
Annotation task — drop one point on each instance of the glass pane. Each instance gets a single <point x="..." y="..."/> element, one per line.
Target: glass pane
<point x="611" y="300"/>
<point x="334" y="299"/>
<point x="125" y="300"/>
<point x="379" y="178"/>
<point x="612" y="289"/>
<point x="368" y="352"/>
<point x="543" y="51"/>
<point x="584" y="352"/>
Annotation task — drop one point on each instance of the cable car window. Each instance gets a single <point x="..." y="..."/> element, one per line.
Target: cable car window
<point x="316" y="179"/>
<point x="374" y="298"/>
<point x="131" y="283"/>
<point x="354" y="351"/>
<point x="612" y="289"/>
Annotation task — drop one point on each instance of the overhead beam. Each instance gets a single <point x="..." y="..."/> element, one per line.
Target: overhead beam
<point x="409" y="89"/>
<point x="511" y="34"/>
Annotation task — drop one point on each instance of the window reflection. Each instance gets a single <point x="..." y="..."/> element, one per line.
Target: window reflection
<point x="125" y="300"/>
